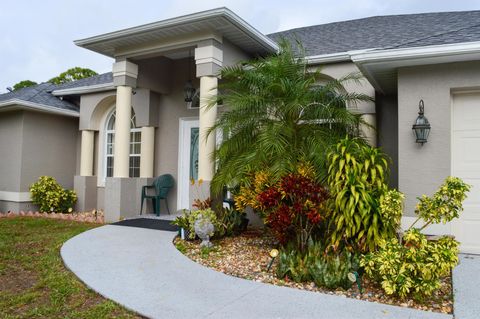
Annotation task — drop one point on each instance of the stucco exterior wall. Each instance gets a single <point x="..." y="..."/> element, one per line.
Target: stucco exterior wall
<point x="172" y="108"/>
<point x="387" y="131"/>
<point x="11" y="124"/>
<point x="422" y="169"/>
<point x="339" y="70"/>
<point x="49" y="148"/>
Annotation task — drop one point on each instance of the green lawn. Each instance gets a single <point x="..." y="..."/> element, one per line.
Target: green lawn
<point x="34" y="283"/>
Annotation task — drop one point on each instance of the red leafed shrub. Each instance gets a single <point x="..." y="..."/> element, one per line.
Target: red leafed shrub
<point x="294" y="207"/>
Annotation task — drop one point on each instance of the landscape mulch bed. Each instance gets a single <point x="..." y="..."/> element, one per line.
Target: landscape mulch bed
<point x="247" y="256"/>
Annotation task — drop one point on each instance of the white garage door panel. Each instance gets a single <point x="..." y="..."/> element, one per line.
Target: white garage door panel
<point x="466" y="165"/>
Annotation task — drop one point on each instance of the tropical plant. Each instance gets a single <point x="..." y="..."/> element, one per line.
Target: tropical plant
<point x="277" y="115"/>
<point x="229" y="222"/>
<point x="414" y="265"/>
<point x="357" y="182"/>
<point x="250" y="187"/>
<point x="294" y="207"/>
<point x="326" y="270"/>
<point x="188" y="218"/>
<point x="51" y="197"/>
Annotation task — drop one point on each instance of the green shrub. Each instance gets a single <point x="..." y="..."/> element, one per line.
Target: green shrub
<point x="187" y="220"/>
<point x="51" y="197"/>
<point x="415" y="265"/>
<point x="357" y="182"/>
<point x="227" y="222"/>
<point x="326" y="270"/>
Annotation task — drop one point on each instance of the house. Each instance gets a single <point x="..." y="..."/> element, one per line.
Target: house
<point x="68" y="131"/>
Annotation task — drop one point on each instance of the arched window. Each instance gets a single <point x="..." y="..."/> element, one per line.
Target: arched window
<point x="135" y="141"/>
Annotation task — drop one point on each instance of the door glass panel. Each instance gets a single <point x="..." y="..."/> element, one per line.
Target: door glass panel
<point x="194" y="135"/>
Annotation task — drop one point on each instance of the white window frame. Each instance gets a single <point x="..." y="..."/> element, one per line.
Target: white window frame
<point x="108" y="131"/>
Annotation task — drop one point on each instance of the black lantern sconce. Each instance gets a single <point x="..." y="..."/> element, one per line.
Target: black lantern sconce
<point x="422" y="127"/>
<point x="189" y="91"/>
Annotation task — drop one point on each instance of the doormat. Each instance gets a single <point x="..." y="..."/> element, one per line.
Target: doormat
<point x="149" y="223"/>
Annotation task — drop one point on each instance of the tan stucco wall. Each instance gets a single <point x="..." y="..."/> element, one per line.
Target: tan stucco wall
<point x="11" y="125"/>
<point x="49" y="148"/>
<point x="172" y="108"/>
<point x="423" y="168"/>
<point x="340" y="70"/>
<point x="232" y="54"/>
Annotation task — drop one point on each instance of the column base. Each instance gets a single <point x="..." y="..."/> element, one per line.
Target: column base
<point x="86" y="189"/>
<point x="123" y="197"/>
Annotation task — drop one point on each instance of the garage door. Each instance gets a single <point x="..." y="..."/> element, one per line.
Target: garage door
<point x="466" y="165"/>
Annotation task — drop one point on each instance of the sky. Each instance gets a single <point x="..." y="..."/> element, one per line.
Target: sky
<point x="36" y="39"/>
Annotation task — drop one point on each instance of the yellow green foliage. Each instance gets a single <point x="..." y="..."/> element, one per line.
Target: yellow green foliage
<point x="413" y="267"/>
<point x="445" y="204"/>
<point x="51" y="197"/>
<point x="357" y="182"/>
<point x="416" y="265"/>
<point x="254" y="185"/>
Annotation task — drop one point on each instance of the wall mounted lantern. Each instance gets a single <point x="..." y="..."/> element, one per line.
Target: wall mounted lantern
<point x="189" y="91"/>
<point x="422" y="127"/>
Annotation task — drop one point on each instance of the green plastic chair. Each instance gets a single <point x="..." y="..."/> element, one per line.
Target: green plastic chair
<point x="162" y="186"/>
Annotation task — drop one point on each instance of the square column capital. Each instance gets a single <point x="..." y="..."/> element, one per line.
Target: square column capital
<point x="125" y="73"/>
<point x="208" y="58"/>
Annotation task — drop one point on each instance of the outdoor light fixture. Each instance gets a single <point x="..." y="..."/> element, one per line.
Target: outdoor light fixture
<point x="421" y="128"/>
<point x="188" y="90"/>
<point x="273" y="254"/>
<point x="355" y="277"/>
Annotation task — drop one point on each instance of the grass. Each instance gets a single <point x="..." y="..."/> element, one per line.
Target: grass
<point x="34" y="283"/>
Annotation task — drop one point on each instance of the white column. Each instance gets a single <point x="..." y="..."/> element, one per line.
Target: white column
<point x="370" y="133"/>
<point x="207" y="116"/>
<point x="86" y="153"/>
<point x="122" y="131"/>
<point x="147" y="151"/>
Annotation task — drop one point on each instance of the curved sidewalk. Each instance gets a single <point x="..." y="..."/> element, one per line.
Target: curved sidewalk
<point x="143" y="271"/>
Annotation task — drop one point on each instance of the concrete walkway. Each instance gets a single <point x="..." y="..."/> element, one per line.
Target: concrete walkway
<point x="142" y="270"/>
<point x="466" y="287"/>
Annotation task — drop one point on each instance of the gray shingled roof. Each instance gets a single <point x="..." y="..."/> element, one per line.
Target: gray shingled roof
<point x="382" y="32"/>
<point x="104" y="78"/>
<point x="395" y="31"/>
<point x="40" y="94"/>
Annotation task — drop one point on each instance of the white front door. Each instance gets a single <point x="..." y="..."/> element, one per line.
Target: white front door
<point x="466" y="165"/>
<point x="187" y="159"/>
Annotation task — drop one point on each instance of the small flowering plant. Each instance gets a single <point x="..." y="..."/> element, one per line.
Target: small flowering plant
<point x="293" y="207"/>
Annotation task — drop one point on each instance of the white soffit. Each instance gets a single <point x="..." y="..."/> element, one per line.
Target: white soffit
<point x="219" y="21"/>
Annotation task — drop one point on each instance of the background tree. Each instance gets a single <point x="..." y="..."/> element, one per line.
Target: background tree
<point x="24" y="84"/>
<point x="278" y="116"/>
<point x="72" y="74"/>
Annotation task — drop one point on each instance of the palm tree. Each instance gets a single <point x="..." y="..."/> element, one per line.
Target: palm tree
<point x="278" y="115"/>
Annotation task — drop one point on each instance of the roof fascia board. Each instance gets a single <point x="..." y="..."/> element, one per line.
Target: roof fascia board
<point x="84" y="89"/>
<point x="328" y="58"/>
<point x="263" y="40"/>
<point x="38" y="107"/>
<point x="433" y="51"/>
